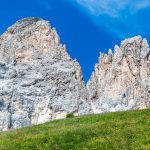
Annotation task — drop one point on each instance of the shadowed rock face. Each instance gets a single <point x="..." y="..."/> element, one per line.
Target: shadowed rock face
<point x="40" y="82"/>
<point x="121" y="81"/>
<point x="38" y="79"/>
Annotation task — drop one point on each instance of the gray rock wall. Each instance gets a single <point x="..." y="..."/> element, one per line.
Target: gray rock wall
<point x="38" y="79"/>
<point x="121" y="81"/>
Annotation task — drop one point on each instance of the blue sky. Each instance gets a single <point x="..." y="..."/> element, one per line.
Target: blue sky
<point x="85" y="26"/>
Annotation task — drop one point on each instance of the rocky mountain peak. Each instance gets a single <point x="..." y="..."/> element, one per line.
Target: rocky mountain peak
<point x="31" y="38"/>
<point x="22" y="24"/>
<point x="121" y="81"/>
<point x="38" y="79"/>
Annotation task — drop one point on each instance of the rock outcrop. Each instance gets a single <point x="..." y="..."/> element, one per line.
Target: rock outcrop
<point x="121" y="81"/>
<point x="38" y="79"/>
<point x="40" y="82"/>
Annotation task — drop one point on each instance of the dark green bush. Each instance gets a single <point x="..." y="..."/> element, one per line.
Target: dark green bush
<point x="70" y="115"/>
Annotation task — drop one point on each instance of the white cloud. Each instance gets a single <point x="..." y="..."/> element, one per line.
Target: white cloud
<point x="113" y="7"/>
<point x="119" y="17"/>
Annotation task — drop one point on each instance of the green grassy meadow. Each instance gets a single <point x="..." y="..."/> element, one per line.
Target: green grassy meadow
<point x="111" y="131"/>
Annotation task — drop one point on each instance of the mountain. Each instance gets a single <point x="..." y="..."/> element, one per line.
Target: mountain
<point x="40" y="82"/>
<point x="121" y="81"/>
<point x="38" y="79"/>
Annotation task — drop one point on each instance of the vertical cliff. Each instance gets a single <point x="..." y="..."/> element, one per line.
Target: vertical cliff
<point x="121" y="80"/>
<point x="38" y="79"/>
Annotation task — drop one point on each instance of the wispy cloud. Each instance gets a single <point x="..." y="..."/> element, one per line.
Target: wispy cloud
<point x="120" y="17"/>
<point x="113" y="7"/>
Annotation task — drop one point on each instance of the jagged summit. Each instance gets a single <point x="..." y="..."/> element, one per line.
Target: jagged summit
<point x="131" y="40"/>
<point x="121" y="80"/>
<point x="29" y="39"/>
<point x="38" y="79"/>
<point x="23" y="23"/>
<point x="29" y="19"/>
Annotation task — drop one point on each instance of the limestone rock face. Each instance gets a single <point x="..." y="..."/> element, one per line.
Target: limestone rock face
<point x="121" y="81"/>
<point x="38" y="79"/>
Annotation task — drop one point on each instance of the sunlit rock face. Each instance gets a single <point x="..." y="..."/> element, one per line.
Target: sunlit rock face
<point x="121" y="80"/>
<point x="38" y="79"/>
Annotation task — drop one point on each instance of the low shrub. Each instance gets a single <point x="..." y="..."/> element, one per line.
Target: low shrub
<point x="70" y="115"/>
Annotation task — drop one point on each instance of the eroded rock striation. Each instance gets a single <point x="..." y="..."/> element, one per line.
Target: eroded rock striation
<point x="38" y="79"/>
<point x="121" y="80"/>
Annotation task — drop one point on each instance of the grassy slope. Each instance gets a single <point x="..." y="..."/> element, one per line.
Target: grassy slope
<point x="112" y="131"/>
